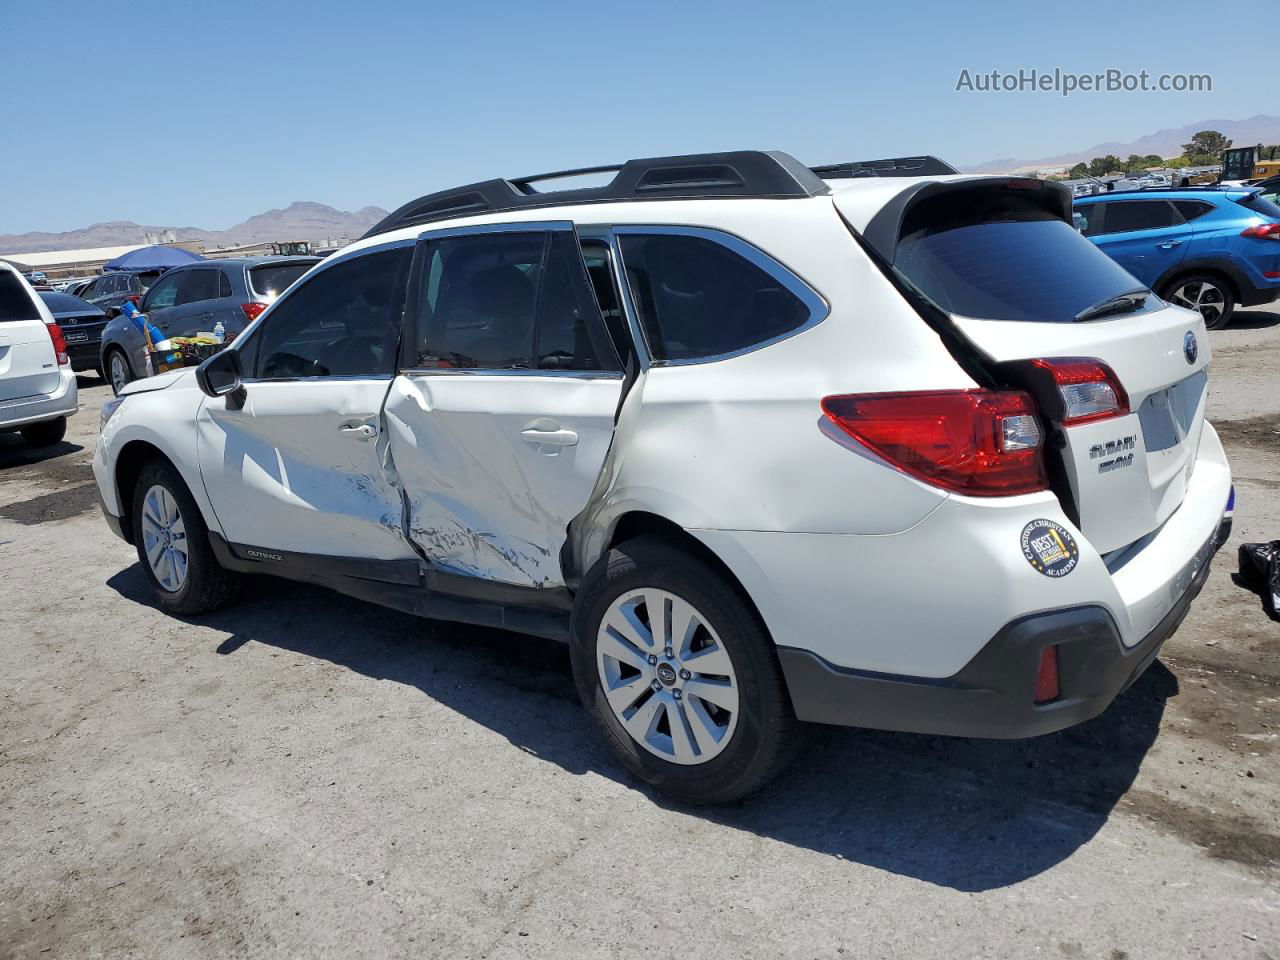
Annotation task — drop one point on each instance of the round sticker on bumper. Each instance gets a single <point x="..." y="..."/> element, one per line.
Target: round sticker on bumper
<point x="1049" y="548"/>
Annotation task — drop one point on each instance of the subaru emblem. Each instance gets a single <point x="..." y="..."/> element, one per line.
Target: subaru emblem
<point x="1190" y="349"/>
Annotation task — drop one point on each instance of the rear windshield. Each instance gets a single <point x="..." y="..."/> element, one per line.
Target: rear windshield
<point x="1260" y="204"/>
<point x="66" y="303"/>
<point x="995" y="255"/>
<point x="271" y="281"/>
<point x="15" y="301"/>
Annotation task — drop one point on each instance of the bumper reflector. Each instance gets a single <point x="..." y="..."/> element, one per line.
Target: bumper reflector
<point x="1047" y="677"/>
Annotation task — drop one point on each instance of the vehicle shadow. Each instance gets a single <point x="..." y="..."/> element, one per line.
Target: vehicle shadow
<point x="1253" y="320"/>
<point x="16" y="452"/>
<point x="972" y="815"/>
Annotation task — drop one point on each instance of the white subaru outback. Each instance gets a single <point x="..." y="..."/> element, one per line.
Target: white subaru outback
<point x="873" y="444"/>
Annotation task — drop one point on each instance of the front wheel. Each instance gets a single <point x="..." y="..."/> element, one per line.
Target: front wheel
<point x="118" y="371"/>
<point x="1207" y="293"/>
<point x="173" y="545"/>
<point x="680" y="673"/>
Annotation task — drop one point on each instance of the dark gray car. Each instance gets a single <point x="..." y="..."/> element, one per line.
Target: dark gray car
<point x="191" y="300"/>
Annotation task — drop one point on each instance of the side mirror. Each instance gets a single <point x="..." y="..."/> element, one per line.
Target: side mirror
<point x="219" y="376"/>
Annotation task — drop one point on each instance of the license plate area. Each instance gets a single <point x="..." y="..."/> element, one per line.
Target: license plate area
<point x="76" y="336"/>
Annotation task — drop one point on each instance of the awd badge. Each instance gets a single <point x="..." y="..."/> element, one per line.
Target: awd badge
<point x="1049" y="548"/>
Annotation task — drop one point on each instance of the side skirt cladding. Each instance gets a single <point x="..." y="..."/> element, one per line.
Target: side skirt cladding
<point x="412" y="586"/>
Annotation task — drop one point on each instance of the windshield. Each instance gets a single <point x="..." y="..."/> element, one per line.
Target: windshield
<point x="271" y="281"/>
<point x="993" y="255"/>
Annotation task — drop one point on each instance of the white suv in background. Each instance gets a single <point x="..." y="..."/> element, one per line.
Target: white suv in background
<point x="873" y="444"/>
<point x="37" y="385"/>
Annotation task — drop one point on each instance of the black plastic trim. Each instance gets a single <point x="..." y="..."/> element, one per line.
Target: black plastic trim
<point x="115" y="523"/>
<point x="1247" y="293"/>
<point x="761" y="174"/>
<point x="412" y="586"/>
<point x="992" y="696"/>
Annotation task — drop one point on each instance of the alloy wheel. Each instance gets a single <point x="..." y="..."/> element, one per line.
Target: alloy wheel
<point x="119" y="373"/>
<point x="667" y="676"/>
<point x="164" y="538"/>
<point x="1203" y="296"/>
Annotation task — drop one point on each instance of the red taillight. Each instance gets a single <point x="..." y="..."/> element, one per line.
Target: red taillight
<point x="59" y="343"/>
<point x="1271" y="230"/>
<point x="136" y="298"/>
<point x="1047" y="676"/>
<point x="981" y="442"/>
<point x="1089" y="389"/>
<point x="252" y="310"/>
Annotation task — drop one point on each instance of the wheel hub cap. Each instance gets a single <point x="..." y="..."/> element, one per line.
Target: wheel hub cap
<point x="164" y="538"/>
<point x="667" y="676"/>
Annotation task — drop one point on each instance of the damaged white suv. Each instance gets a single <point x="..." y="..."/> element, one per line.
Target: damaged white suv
<point x="873" y="444"/>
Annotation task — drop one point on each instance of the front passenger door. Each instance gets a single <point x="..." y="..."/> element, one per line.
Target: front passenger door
<point x="301" y="467"/>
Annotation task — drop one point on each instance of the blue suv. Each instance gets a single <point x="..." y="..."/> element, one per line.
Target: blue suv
<point x="1207" y="248"/>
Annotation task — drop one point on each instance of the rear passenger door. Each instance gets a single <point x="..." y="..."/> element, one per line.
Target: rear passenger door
<point x="503" y="412"/>
<point x="1146" y="237"/>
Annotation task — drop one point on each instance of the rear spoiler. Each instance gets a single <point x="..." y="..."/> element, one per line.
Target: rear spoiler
<point x="883" y="229"/>
<point x="890" y="167"/>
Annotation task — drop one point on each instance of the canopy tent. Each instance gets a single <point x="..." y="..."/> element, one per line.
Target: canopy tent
<point x="151" y="258"/>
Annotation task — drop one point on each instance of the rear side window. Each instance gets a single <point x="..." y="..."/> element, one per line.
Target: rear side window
<point x="270" y="281"/>
<point x="1258" y="203"/>
<point x="197" y="285"/>
<point x="992" y="255"/>
<point x="699" y="299"/>
<point x="15" y="303"/>
<point x="1192" y="209"/>
<point x="504" y="301"/>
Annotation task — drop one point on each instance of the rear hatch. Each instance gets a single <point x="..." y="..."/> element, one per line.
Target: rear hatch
<point x="28" y="365"/>
<point x="999" y="261"/>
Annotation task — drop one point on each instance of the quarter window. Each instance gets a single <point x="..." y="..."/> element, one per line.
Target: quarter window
<point x="1192" y="209"/>
<point x="697" y="298"/>
<point x="508" y="301"/>
<point x="344" y="322"/>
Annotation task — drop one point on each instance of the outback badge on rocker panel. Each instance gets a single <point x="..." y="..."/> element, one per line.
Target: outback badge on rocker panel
<point x="1050" y="548"/>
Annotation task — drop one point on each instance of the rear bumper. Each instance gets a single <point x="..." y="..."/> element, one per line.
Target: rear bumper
<point x="63" y="402"/>
<point x="1256" y="296"/>
<point x="84" y="356"/>
<point x="993" y="695"/>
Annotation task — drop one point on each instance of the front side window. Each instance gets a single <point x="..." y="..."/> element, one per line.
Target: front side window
<point x="164" y="293"/>
<point x="344" y="322"/>
<point x="697" y="298"/>
<point x="508" y="301"/>
<point x="1125" y="216"/>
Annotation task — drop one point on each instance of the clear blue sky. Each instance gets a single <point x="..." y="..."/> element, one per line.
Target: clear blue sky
<point x="201" y="114"/>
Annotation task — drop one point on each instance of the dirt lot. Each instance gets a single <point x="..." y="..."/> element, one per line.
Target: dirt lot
<point x="305" y="775"/>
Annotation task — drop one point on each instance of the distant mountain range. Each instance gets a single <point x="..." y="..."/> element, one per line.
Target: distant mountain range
<point x="1167" y="143"/>
<point x="301" y="220"/>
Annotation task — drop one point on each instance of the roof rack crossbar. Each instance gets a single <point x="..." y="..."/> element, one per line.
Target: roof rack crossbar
<point x="756" y="174"/>
<point x="924" y="166"/>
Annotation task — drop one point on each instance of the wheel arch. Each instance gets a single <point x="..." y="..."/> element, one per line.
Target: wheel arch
<point x="1228" y="272"/>
<point x="133" y="456"/>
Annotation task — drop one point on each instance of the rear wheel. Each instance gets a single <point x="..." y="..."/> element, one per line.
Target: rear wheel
<point x="118" y="371"/>
<point x="173" y="544"/>
<point x="680" y="673"/>
<point x="46" y="433"/>
<point x="1209" y="294"/>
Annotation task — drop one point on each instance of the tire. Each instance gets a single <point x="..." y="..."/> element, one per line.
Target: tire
<point x="46" y="433"/>
<point x="118" y="372"/>
<point x="1207" y="293"/>
<point x="755" y="737"/>
<point x="196" y="585"/>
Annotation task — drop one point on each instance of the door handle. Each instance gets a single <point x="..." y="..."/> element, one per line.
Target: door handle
<point x="1169" y="244"/>
<point x="359" y="429"/>
<point x="550" y="438"/>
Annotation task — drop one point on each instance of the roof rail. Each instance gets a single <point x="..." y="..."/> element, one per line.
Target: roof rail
<point x="889" y="167"/>
<point x="761" y="174"/>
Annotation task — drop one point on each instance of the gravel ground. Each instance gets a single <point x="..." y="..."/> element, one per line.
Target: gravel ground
<point x="307" y="775"/>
